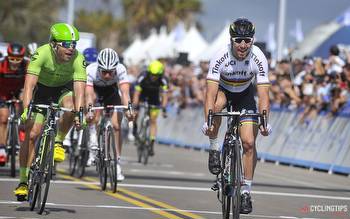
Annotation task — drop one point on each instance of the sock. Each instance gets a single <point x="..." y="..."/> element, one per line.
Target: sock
<point x="214" y="144"/>
<point x="60" y="136"/>
<point x="23" y="174"/>
<point x="247" y="186"/>
<point x="92" y="129"/>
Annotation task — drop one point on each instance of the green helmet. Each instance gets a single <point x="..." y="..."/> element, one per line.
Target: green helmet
<point x="156" y="68"/>
<point x="63" y="32"/>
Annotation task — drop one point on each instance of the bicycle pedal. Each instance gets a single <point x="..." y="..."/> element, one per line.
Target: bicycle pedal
<point x="215" y="187"/>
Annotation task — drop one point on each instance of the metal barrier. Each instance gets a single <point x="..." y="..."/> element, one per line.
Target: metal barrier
<point x="323" y="143"/>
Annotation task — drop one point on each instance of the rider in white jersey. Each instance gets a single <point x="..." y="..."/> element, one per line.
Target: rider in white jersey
<point x="107" y="84"/>
<point x="236" y="73"/>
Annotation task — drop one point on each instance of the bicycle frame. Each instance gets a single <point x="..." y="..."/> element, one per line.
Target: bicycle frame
<point x="12" y="134"/>
<point x="229" y="182"/>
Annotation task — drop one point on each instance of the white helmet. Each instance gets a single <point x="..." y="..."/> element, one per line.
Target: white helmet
<point x="107" y="59"/>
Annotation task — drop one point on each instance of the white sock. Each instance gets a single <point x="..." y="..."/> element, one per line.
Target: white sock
<point x="214" y="144"/>
<point x="247" y="186"/>
<point x="92" y="129"/>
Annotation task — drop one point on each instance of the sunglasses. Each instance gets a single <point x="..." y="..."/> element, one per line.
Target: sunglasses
<point x="67" y="44"/>
<point x="15" y="59"/>
<point x="239" y="40"/>
<point x="105" y="72"/>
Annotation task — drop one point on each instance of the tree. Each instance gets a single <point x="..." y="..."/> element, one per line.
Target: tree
<point x="28" y="21"/>
<point x="142" y="15"/>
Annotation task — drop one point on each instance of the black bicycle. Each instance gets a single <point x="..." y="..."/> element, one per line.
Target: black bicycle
<point x="106" y="157"/>
<point x="143" y="141"/>
<point x="12" y="145"/>
<point x="41" y="170"/>
<point x="78" y="151"/>
<point x="228" y="183"/>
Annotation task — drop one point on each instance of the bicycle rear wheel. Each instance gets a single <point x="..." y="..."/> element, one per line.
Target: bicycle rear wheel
<point x="46" y="168"/>
<point x="112" y="159"/>
<point x="226" y="188"/>
<point x="236" y="169"/>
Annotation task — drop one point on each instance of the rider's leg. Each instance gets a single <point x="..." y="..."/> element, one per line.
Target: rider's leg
<point x="116" y="122"/>
<point x="214" y="152"/>
<point x="64" y="124"/>
<point x="153" y="128"/>
<point x="4" y="114"/>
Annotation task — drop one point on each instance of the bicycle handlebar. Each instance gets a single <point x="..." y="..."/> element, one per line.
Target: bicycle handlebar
<point x="262" y="116"/>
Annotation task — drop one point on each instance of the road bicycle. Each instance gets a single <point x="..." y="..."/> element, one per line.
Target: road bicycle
<point x="106" y="156"/>
<point x="229" y="181"/>
<point x="12" y="145"/>
<point x="41" y="169"/>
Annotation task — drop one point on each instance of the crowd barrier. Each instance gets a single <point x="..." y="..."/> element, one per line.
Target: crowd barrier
<point x="323" y="143"/>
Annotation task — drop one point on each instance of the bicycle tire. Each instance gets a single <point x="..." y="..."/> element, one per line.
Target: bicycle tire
<point x="83" y="154"/>
<point x="146" y="143"/>
<point x="101" y="164"/>
<point x="112" y="159"/>
<point x="33" y="176"/>
<point x="14" y="144"/>
<point x="47" y="167"/>
<point x="140" y="141"/>
<point x="72" y="154"/>
<point x="237" y="175"/>
<point x="225" y="194"/>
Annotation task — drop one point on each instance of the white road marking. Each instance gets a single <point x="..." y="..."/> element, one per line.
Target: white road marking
<point x="140" y="208"/>
<point x="183" y="188"/>
<point x="166" y="172"/>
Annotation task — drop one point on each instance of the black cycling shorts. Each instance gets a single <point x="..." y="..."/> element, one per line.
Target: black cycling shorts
<point x="152" y="99"/>
<point x="243" y="101"/>
<point x="108" y="95"/>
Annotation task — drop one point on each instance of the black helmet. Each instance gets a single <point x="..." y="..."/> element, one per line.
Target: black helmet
<point x="242" y="27"/>
<point x="15" y="49"/>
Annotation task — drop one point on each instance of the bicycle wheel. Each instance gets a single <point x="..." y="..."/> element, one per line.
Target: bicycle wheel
<point x="34" y="176"/>
<point x="83" y="153"/>
<point x="226" y="188"/>
<point x="14" y="145"/>
<point x="46" y="167"/>
<point x="236" y="169"/>
<point x="73" y="153"/>
<point x="100" y="162"/>
<point x="112" y="159"/>
<point x="145" y="142"/>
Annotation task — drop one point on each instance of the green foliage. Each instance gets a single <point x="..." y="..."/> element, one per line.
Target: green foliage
<point x="26" y="21"/>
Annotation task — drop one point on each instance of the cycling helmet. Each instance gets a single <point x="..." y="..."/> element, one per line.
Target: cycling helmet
<point x="156" y="68"/>
<point x="63" y="32"/>
<point x="242" y="27"/>
<point x="107" y="59"/>
<point x="90" y="55"/>
<point x="16" y="49"/>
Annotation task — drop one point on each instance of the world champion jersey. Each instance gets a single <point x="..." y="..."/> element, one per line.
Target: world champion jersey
<point x="94" y="78"/>
<point x="235" y="75"/>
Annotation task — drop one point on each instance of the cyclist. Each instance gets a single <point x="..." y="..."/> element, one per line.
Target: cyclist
<point x="149" y="85"/>
<point x="56" y="73"/>
<point x="107" y="84"/>
<point x="234" y="73"/>
<point x="90" y="55"/>
<point x="12" y="71"/>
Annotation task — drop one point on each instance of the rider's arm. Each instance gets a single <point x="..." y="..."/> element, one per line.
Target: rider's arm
<point x="89" y="95"/>
<point x="29" y="85"/>
<point x="136" y="97"/>
<point x="264" y="99"/>
<point x="79" y="78"/>
<point x="212" y="90"/>
<point x="124" y="88"/>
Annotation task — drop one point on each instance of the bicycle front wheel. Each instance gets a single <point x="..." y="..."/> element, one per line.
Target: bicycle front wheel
<point x="236" y="169"/>
<point x="46" y="168"/>
<point x="101" y="163"/>
<point x="83" y="153"/>
<point x="112" y="159"/>
<point x="226" y="188"/>
<point x="13" y="142"/>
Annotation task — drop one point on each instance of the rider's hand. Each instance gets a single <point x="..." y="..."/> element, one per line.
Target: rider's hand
<point x="267" y="131"/>
<point x="24" y="115"/>
<point x="77" y="123"/>
<point x="129" y="115"/>
<point x="207" y="130"/>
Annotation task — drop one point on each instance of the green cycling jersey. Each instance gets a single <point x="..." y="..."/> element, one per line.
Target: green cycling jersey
<point x="52" y="74"/>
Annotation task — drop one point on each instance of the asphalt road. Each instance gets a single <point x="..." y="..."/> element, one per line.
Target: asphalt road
<point x="176" y="184"/>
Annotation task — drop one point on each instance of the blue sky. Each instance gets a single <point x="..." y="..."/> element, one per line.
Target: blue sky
<point x="217" y="12"/>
